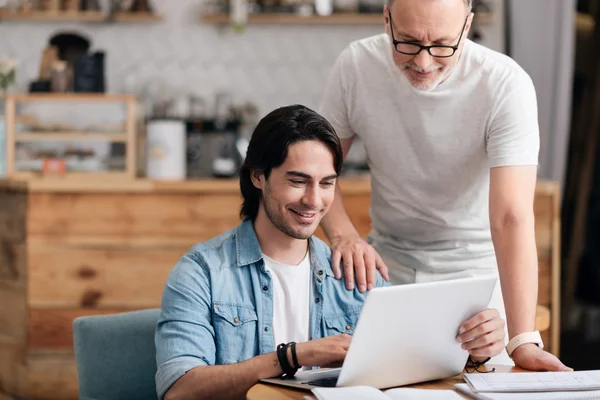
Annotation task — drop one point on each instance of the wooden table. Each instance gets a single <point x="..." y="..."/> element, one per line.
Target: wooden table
<point x="273" y="392"/>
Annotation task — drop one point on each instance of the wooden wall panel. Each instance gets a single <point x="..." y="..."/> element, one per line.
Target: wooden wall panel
<point x="12" y="365"/>
<point x="13" y="311"/>
<point x="52" y="328"/>
<point x="544" y="280"/>
<point x="130" y="219"/>
<point x="13" y="261"/>
<point x="544" y="219"/>
<point x="52" y="377"/>
<point x="134" y="278"/>
<point x="13" y="208"/>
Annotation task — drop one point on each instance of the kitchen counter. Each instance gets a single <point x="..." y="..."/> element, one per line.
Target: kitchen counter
<point x="92" y="248"/>
<point x="57" y="185"/>
<point x="349" y="185"/>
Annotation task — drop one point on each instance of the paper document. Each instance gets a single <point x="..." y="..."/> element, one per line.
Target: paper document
<point x="582" y="395"/>
<point x="534" y="381"/>
<point x="371" y="393"/>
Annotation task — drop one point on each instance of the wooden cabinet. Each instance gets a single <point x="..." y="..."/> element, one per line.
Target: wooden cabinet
<point x="69" y="250"/>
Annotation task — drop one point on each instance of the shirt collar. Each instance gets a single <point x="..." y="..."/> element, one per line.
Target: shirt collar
<point x="246" y="243"/>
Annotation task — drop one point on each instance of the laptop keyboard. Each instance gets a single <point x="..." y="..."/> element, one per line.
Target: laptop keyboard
<point x="324" y="382"/>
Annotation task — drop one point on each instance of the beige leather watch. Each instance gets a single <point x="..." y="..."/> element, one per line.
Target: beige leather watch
<point x="526" y="337"/>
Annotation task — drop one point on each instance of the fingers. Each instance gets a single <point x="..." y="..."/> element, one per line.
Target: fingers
<point x="360" y="270"/>
<point x="358" y="260"/>
<point x="348" y="270"/>
<point x="495" y="325"/>
<point x="383" y="269"/>
<point x="490" y="350"/>
<point x="336" y="352"/>
<point x="478" y="319"/>
<point x="339" y="341"/>
<point x="323" y="351"/>
<point x="335" y="263"/>
<point x="371" y="269"/>
<point x="493" y="337"/>
<point x="548" y="362"/>
<point x="336" y="364"/>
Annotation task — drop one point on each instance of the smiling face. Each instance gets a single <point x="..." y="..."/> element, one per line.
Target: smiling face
<point x="428" y="23"/>
<point x="299" y="192"/>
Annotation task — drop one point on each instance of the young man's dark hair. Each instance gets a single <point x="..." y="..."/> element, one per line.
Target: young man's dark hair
<point x="268" y="147"/>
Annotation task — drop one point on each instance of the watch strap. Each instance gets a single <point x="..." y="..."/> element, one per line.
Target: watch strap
<point x="526" y="337"/>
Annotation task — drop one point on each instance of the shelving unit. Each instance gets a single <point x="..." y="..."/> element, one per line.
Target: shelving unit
<point x="70" y="136"/>
<point x="127" y="136"/>
<point x="334" y="19"/>
<point x="283" y="18"/>
<point x="78" y="16"/>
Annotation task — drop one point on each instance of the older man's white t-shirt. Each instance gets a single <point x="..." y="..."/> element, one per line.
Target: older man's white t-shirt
<point x="430" y="153"/>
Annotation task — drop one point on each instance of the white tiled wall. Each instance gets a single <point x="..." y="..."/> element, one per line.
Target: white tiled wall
<point x="268" y="65"/>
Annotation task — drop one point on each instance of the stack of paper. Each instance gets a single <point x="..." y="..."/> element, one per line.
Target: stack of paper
<point x="583" y="395"/>
<point x="533" y="385"/>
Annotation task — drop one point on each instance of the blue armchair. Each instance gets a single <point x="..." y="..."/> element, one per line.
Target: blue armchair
<point x="115" y="355"/>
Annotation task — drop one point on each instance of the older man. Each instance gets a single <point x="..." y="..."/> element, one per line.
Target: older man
<point x="452" y="139"/>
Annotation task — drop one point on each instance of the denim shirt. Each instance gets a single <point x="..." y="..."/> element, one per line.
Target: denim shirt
<point x="217" y="305"/>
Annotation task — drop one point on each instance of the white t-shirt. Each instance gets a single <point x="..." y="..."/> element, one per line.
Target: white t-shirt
<point x="291" y="304"/>
<point x="430" y="152"/>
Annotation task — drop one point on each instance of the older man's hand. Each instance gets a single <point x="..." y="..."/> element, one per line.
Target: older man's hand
<point x="483" y="335"/>
<point x="360" y="260"/>
<point x="531" y="357"/>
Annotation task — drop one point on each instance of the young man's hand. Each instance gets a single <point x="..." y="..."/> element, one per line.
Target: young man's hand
<point x="323" y="352"/>
<point x="483" y="335"/>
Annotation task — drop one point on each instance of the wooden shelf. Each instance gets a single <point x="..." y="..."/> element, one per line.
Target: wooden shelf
<point x="70" y="136"/>
<point x="289" y="19"/>
<point x="334" y="19"/>
<point x="75" y="178"/>
<point x="71" y="97"/>
<point x="126" y="134"/>
<point x="137" y="17"/>
<point x="78" y="16"/>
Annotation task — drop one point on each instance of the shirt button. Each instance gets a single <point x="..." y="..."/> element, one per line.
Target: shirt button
<point x="266" y="329"/>
<point x="265" y="288"/>
<point x="236" y="320"/>
<point x="348" y="327"/>
<point x="320" y="272"/>
<point x="317" y="300"/>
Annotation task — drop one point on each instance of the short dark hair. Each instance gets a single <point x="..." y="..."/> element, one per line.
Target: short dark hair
<point x="269" y="144"/>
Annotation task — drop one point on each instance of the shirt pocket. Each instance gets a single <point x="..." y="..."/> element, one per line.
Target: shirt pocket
<point x="339" y="323"/>
<point x="235" y="331"/>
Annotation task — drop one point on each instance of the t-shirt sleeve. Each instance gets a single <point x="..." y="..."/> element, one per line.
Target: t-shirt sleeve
<point x="334" y="105"/>
<point x="513" y="138"/>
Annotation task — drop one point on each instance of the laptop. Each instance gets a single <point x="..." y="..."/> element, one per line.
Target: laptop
<point x="405" y="334"/>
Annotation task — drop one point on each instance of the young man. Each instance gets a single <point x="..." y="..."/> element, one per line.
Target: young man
<point x="231" y="301"/>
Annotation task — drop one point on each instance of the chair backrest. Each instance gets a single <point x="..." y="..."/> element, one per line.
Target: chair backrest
<point x="116" y="356"/>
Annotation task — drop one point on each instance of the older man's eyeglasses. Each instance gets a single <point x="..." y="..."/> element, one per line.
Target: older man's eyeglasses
<point x="412" y="49"/>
